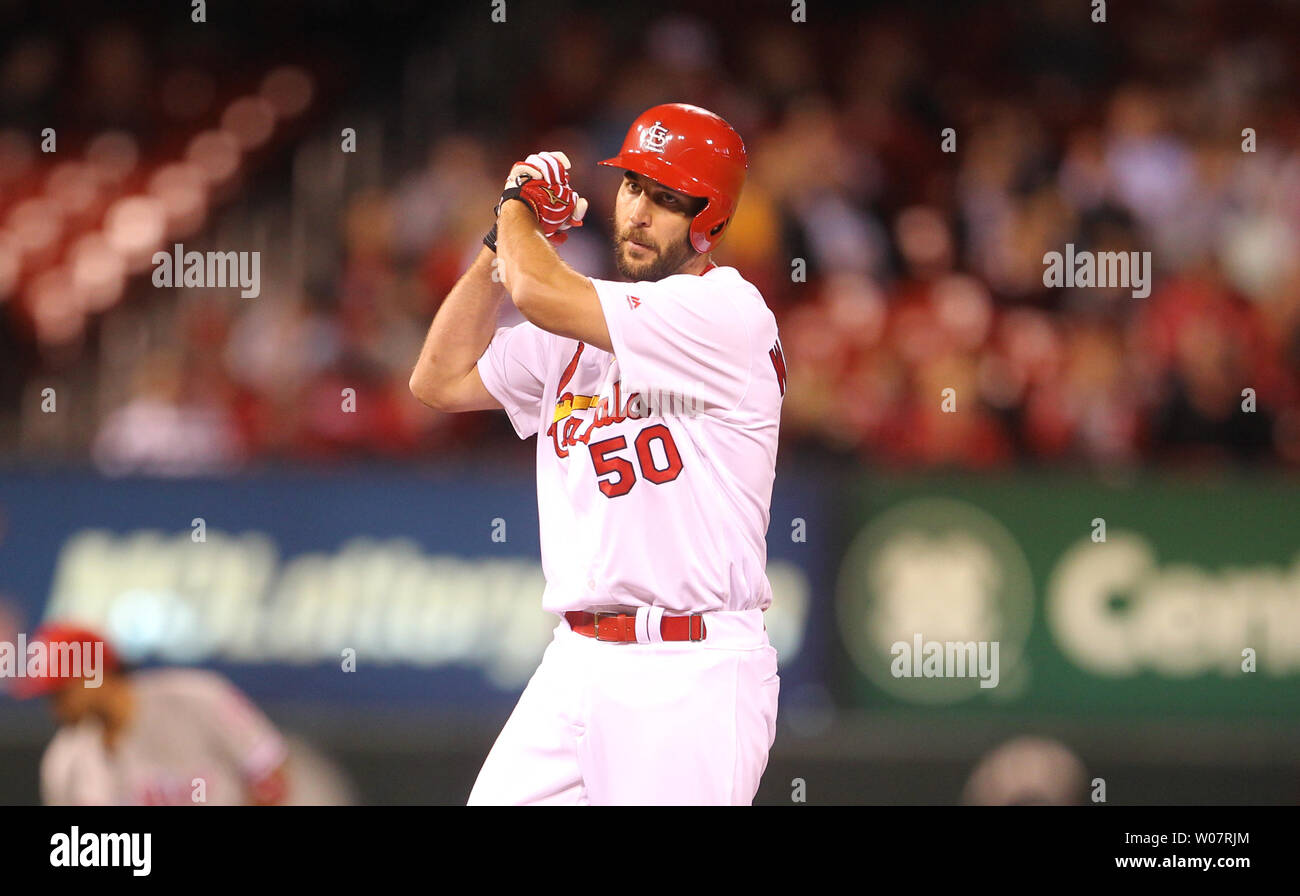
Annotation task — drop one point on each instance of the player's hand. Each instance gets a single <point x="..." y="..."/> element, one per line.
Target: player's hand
<point x="542" y="181"/>
<point x="554" y="168"/>
<point x="271" y="789"/>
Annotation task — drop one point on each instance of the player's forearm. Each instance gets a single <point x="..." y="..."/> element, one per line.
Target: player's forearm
<point x="460" y="332"/>
<point x="529" y="264"/>
<point x="547" y="292"/>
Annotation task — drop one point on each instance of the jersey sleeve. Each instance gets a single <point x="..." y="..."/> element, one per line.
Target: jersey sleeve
<point x="73" y="773"/>
<point x="513" y="370"/>
<point x="693" y="341"/>
<point x="239" y="727"/>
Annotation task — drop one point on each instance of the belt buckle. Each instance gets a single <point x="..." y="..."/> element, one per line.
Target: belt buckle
<point x="595" y="622"/>
<point x="690" y="628"/>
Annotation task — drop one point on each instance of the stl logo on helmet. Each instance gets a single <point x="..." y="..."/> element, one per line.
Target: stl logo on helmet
<point x="654" y="139"/>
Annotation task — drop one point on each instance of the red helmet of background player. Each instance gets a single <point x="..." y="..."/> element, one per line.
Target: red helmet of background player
<point x="56" y="673"/>
<point x="692" y="151"/>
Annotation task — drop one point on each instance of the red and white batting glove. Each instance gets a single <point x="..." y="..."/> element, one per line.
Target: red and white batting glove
<point x="542" y="181"/>
<point x="554" y="168"/>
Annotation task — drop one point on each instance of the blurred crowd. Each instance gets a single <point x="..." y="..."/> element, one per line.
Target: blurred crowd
<point x="897" y="270"/>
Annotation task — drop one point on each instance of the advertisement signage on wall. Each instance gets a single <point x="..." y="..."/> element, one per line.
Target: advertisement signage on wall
<point x="1067" y="597"/>
<point x="372" y="587"/>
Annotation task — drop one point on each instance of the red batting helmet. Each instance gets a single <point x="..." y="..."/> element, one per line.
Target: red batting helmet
<point x="56" y="672"/>
<point x="692" y="151"/>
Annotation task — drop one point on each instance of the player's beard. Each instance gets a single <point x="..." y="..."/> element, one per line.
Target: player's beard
<point x="661" y="262"/>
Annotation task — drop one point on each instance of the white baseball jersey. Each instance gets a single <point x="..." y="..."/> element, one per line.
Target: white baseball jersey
<point x="187" y="724"/>
<point x="655" y="462"/>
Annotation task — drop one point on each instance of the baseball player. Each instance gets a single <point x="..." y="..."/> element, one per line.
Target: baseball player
<point x="656" y="404"/>
<point x="150" y="737"/>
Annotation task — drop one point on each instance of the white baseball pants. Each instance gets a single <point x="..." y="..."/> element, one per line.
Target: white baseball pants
<point x="676" y="723"/>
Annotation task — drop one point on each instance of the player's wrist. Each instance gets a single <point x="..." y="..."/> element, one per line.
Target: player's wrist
<point x="516" y="193"/>
<point x="490" y="239"/>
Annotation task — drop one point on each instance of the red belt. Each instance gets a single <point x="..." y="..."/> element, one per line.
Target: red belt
<point x="622" y="626"/>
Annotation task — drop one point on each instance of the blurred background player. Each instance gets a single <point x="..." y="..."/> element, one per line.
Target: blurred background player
<point x="151" y="737"/>
<point x="1028" y="771"/>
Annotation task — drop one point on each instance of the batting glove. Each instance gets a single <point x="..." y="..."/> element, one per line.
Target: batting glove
<point x="542" y="182"/>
